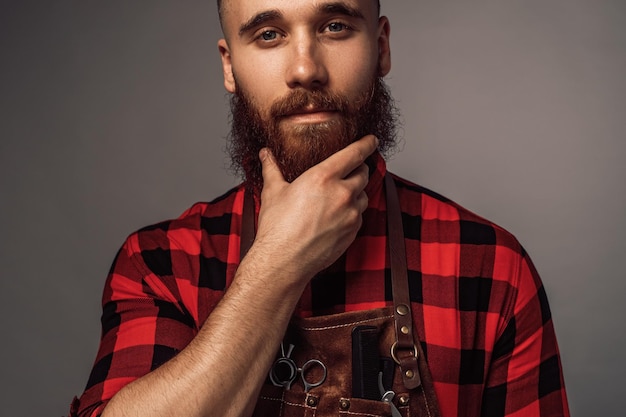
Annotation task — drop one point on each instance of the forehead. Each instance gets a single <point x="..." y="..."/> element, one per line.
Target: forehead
<point x="234" y="12"/>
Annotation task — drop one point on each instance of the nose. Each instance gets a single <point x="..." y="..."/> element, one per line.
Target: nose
<point x="307" y="68"/>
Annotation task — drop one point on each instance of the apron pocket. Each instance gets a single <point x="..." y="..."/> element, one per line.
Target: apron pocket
<point x="269" y="402"/>
<point x="349" y="407"/>
<point x="277" y="402"/>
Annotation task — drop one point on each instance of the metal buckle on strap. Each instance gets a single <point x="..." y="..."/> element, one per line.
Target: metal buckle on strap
<point x="394" y="348"/>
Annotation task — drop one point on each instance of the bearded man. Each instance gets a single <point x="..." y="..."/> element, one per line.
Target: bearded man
<point x="323" y="285"/>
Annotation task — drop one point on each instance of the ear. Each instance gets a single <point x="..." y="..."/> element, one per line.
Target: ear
<point x="384" y="50"/>
<point x="227" y="66"/>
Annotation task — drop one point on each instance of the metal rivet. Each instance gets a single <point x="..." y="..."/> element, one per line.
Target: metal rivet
<point x="403" y="400"/>
<point x="402" y="310"/>
<point x="404" y="330"/>
<point x="311" y="401"/>
<point x="344" y="404"/>
<point x="409" y="374"/>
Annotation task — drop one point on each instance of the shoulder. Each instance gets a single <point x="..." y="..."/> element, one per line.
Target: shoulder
<point x="442" y="219"/>
<point x="486" y="266"/>
<point x="186" y="232"/>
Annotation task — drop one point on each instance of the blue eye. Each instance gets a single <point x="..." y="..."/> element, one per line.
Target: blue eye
<point x="336" y="27"/>
<point x="268" y="35"/>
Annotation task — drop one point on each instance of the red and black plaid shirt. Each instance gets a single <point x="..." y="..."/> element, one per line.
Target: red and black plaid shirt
<point x="479" y="307"/>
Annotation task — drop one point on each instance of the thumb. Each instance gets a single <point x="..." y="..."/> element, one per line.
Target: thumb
<point x="270" y="170"/>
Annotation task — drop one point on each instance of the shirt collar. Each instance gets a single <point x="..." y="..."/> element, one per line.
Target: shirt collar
<point x="378" y="169"/>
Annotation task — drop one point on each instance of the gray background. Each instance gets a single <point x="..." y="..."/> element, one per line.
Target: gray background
<point x="113" y="116"/>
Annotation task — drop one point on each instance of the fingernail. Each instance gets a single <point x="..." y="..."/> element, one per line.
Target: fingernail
<point x="263" y="154"/>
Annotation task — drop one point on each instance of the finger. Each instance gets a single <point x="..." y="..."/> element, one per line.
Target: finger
<point x="349" y="158"/>
<point x="359" y="177"/>
<point x="270" y="170"/>
<point x="362" y="201"/>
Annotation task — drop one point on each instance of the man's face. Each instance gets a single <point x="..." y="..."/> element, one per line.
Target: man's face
<point x="302" y="71"/>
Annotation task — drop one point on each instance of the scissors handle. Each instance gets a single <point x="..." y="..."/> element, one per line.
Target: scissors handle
<point x="283" y="372"/>
<point x="308" y="365"/>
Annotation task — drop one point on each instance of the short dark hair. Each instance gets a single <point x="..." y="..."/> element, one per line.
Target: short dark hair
<point x="219" y="8"/>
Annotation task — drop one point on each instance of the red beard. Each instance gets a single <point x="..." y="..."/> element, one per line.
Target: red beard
<point x="299" y="147"/>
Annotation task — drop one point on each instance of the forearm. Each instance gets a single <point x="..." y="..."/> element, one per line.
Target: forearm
<point x="221" y="371"/>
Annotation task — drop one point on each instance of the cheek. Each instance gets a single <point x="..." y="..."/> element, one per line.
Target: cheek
<point x="353" y="69"/>
<point x="353" y="82"/>
<point x="258" y="77"/>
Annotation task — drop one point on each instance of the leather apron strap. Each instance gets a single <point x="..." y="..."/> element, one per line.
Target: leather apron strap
<point x="405" y="350"/>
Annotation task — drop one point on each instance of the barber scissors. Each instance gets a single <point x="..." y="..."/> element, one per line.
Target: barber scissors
<point x="284" y="371"/>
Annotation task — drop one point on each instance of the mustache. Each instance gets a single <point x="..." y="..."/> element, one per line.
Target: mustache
<point x="299" y="101"/>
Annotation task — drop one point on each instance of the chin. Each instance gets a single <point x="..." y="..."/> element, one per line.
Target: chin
<point x="300" y="147"/>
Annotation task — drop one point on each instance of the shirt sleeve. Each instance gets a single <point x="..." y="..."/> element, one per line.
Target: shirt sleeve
<point x="143" y="325"/>
<point x="525" y="377"/>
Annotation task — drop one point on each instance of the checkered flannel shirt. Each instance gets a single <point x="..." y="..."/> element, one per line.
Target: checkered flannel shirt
<point x="479" y="307"/>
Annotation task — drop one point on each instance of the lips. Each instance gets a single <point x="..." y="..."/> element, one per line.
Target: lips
<point x="309" y="116"/>
<point x="308" y="110"/>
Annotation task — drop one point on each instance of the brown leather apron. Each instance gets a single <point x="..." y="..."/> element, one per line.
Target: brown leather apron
<point x="328" y="339"/>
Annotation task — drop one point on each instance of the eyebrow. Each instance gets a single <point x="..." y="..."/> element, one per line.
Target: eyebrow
<point x="341" y="8"/>
<point x="259" y="19"/>
<point x="328" y="8"/>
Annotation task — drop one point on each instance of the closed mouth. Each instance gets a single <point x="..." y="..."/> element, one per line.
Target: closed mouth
<point x="308" y="110"/>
